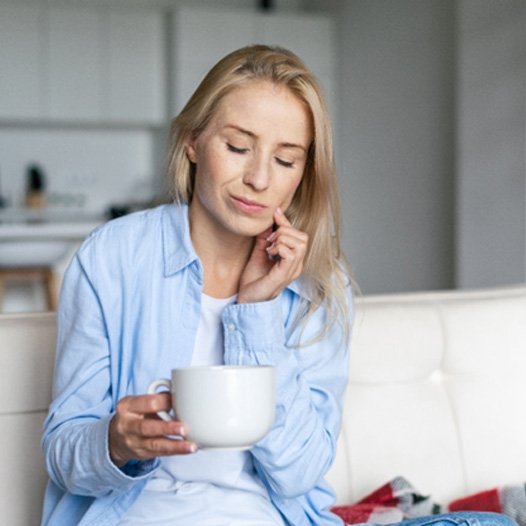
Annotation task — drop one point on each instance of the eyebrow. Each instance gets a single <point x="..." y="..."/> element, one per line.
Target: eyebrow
<point x="252" y="135"/>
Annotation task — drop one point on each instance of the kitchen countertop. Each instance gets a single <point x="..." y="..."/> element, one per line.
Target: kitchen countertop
<point x="63" y="231"/>
<point x="25" y="224"/>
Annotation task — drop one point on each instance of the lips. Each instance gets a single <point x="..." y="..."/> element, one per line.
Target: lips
<point x="247" y="205"/>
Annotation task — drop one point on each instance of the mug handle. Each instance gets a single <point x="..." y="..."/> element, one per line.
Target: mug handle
<point x="152" y="389"/>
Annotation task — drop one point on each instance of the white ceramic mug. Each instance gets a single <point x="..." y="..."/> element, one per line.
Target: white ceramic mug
<point x="222" y="406"/>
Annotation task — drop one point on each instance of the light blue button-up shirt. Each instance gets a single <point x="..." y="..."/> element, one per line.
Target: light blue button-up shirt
<point x="129" y="312"/>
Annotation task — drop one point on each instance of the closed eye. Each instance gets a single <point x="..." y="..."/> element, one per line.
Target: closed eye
<point x="286" y="164"/>
<point x="234" y="149"/>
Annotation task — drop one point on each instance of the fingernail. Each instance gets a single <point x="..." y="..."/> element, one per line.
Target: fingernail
<point x="180" y="430"/>
<point x="191" y="448"/>
<point x="271" y="237"/>
<point x="278" y="210"/>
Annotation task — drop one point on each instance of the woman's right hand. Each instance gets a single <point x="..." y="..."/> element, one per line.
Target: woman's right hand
<point x="136" y="432"/>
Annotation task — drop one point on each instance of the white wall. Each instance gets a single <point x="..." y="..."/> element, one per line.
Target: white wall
<point x="491" y="182"/>
<point x="432" y="145"/>
<point x="397" y="142"/>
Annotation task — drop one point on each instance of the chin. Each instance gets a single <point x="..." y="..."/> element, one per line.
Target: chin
<point x="249" y="228"/>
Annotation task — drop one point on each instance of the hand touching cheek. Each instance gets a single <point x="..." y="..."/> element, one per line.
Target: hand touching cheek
<point x="276" y="260"/>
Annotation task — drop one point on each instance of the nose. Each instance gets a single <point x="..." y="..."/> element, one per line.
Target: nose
<point x="257" y="173"/>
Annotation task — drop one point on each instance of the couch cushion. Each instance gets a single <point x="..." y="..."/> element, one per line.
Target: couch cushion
<point x="26" y="361"/>
<point x="485" y="337"/>
<point x="24" y="477"/>
<point x="437" y="393"/>
<point x="395" y="343"/>
<point x="26" y="367"/>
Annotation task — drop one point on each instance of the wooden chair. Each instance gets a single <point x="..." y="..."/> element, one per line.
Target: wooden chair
<point x="44" y="274"/>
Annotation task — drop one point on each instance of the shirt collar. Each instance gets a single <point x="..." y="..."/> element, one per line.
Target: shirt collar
<point x="178" y="250"/>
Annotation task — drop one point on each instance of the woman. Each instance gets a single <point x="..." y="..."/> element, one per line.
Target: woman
<point x="243" y="268"/>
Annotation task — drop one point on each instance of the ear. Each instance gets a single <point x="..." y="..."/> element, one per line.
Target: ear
<point x="190" y="148"/>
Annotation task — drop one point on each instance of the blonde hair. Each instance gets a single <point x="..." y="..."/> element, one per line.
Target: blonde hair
<point x="315" y="207"/>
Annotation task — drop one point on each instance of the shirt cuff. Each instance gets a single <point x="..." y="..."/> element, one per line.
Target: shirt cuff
<point x="131" y="472"/>
<point x="256" y="327"/>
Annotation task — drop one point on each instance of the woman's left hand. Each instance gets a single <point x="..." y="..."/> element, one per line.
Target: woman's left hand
<point x="276" y="261"/>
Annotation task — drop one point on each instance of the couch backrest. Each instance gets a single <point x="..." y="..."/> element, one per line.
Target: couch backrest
<point x="437" y="394"/>
<point x="27" y="349"/>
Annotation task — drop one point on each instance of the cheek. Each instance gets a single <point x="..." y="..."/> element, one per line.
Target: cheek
<point x="216" y="167"/>
<point x="288" y="191"/>
<point x="206" y="171"/>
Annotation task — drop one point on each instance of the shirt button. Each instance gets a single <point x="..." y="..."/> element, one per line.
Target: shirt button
<point x="231" y="327"/>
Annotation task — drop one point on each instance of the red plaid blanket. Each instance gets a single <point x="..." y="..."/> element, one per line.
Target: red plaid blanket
<point x="398" y="500"/>
<point x="509" y="500"/>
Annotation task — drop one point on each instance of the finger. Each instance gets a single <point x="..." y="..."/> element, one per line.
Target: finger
<point x="261" y="242"/>
<point x="265" y="234"/>
<point x="293" y="252"/>
<point x="164" y="447"/>
<point x="286" y="256"/>
<point x="292" y="239"/>
<point x="280" y="218"/>
<point x="145" y="404"/>
<point x="286" y="269"/>
<point x="292" y="255"/>
<point x="258" y="258"/>
<point x="289" y="231"/>
<point x="146" y="427"/>
<point x="126" y="424"/>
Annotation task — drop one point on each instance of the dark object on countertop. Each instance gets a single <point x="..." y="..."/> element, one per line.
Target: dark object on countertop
<point x="36" y="186"/>
<point x="115" y="210"/>
<point x="3" y="200"/>
<point x="266" y="5"/>
<point x="35" y="178"/>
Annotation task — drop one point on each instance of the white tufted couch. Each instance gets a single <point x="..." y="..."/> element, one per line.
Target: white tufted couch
<point x="437" y="395"/>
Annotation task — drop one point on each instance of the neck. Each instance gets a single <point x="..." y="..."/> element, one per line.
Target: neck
<point x="222" y="254"/>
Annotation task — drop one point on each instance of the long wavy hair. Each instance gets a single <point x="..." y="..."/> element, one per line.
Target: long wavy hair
<point x="315" y="207"/>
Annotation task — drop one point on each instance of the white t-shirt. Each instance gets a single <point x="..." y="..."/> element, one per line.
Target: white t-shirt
<point x="207" y="488"/>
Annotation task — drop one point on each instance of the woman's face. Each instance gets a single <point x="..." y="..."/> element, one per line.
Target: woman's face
<point x="250" y="158"/>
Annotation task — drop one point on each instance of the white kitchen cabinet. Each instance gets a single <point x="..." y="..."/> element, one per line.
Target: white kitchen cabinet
<point x="201" y="37"/>
<point x="106" y="65"/>
<point x="136" y="67"/>
<point x="20" y="60"/>
<point x="75" y="70"/>
<point x="82" y="64"/>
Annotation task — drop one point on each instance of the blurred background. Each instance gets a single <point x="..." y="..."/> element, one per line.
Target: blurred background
<point x="427" y="99"/>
